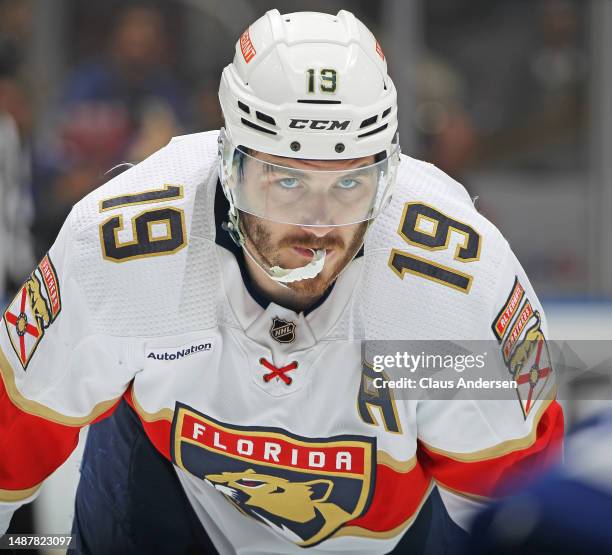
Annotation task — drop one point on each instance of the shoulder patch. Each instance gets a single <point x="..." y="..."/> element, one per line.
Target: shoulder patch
<point x="505" y="315"/>
<point x="523" y="346"/>
<point x="531" y="366"/>
<point x="519" y="325"/>
<point x="34" y="308"/>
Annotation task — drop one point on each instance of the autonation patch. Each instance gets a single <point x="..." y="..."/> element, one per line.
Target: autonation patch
<point x="177" y="353"/>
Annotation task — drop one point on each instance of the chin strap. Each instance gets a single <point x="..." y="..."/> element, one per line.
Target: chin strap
<point x="276" y="273"/>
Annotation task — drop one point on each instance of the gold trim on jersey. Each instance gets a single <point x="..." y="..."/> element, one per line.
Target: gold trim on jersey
<point x="502" y="448"/>
<point x="166" y="224"/>
<point x="358" y="531"/>
<point x="15" y="495"/>
<point x="470" y="496"/>
<point x="417" y="224"/>
<point x="162" y="414"/>
<point x="38" y="409"/>
<point x="382" y="457"/>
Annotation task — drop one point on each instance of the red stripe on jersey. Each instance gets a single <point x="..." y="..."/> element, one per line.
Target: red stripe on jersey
<point x="495" y="475"/>
<point x="158" y="431"/>
<point x="31" y="446"/>
<point x="397" y="496"/>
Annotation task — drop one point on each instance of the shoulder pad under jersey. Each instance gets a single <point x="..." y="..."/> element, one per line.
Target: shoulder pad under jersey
<point x="432" y="261"/>
<point x="143" y="243"/>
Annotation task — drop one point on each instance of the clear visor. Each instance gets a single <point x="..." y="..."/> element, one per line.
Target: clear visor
<point x="303" y="193"/>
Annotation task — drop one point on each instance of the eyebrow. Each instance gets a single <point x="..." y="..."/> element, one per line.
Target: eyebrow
<point x="296" y="172"/>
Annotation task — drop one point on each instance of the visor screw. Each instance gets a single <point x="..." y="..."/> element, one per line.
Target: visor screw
<point x="339" y="147"/>
<point x="295" y="146"/>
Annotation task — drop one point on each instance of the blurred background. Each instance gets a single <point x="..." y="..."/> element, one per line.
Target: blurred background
<point x="510" y="97"/>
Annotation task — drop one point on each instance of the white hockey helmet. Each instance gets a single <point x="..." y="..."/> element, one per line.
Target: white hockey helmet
<point x="310" y="86"/>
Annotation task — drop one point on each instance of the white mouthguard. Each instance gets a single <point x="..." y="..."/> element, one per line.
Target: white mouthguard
<point x="311" y="270"/>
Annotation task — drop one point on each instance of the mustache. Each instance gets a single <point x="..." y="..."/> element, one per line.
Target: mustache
<point x="325" y="242"/>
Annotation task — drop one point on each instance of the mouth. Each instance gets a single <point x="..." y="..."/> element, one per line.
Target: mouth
<point x="304" y="252"/>
<point x="309" y="253"/>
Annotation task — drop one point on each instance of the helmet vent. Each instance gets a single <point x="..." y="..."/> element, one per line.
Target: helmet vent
<point x="373" y="131"/>
<point x="368" y="121"/>
<point x="311" y="101"/>
<point x="257" y="127"/>
<point x="265" y="118"/>
<point x="244" y="107"/>
<point x="386" y="113"/>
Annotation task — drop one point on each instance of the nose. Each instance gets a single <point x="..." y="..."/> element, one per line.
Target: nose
<point x="317" y="230"/>
<point x="316" y="213"/>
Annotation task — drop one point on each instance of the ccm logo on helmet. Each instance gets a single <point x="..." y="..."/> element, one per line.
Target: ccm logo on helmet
<point x="319" y="124"/>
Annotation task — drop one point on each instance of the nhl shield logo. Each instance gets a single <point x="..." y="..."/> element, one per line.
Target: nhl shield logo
<point x="282" y="330"/>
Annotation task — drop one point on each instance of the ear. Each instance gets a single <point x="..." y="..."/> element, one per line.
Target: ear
<point x="321" y="489"/>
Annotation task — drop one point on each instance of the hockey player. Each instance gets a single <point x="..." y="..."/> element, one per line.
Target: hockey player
<point x="205" y="310"/>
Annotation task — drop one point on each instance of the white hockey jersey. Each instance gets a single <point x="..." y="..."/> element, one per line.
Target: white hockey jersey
<point x="259" y="408"/>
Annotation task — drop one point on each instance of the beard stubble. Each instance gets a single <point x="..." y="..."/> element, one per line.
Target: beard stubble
<point x="266" y="252"/>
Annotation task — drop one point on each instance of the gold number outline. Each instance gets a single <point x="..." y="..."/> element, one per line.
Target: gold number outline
<point x="429" y="263"/>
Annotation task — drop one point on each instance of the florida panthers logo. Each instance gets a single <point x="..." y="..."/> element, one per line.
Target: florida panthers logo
<point x="291" y="508"/>
<point x="304" y="489"/>
<point x="530" y="365"/>
<point x="37" y="301"/>
<point x="33" y="310"/>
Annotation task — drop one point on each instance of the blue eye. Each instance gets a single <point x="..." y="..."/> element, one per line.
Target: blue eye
<point x="288" y="182"/>
<point x="348" y="183"/>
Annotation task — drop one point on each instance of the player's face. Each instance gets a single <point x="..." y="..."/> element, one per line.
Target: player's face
<point x="308" y="192"/>
<point x="287" y="245"/>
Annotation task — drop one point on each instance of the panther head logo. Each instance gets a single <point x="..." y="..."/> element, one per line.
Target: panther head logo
<point x="531" y="366"/>
<point x="522" y="352"/>
<point x="37" y="301"/>
<point x="298" y="510"/>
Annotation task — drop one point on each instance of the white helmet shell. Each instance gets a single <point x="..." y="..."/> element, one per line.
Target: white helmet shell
<point x="309" y="85"/>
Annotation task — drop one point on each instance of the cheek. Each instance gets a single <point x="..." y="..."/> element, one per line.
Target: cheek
<point x="276" y="232"/>
<point x="352" y="233"/>
<point x="269" y="236"/>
